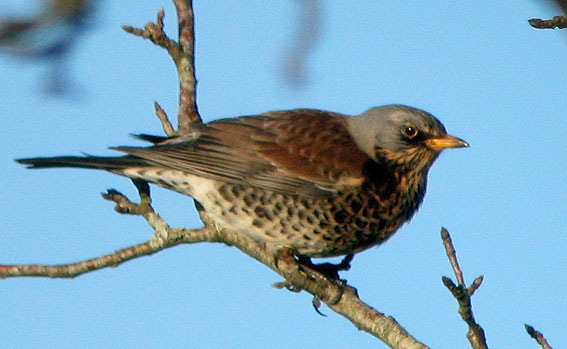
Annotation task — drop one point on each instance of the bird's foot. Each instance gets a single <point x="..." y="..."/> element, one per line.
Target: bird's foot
<point x="323" y="271"/>
<point x="125" y="206"/>
<point x="329" y="270"/>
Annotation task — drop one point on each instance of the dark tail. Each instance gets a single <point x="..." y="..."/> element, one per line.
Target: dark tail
<point x="94" y="162"/>
<point x="150" y="138"/>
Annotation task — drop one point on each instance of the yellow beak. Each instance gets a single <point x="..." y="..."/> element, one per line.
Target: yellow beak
<point x="445" y="142"/>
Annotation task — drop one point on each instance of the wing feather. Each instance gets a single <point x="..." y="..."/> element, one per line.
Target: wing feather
<point x="303" y="151"/>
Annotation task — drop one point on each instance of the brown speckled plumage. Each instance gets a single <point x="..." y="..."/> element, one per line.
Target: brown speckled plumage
<point x="320" y="183"/>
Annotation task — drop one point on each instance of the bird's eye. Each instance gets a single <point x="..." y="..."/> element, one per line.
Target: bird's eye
<point x="410" y="131"/>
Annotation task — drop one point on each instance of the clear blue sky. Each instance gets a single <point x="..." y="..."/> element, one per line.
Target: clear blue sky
<point x="477" y="65"/>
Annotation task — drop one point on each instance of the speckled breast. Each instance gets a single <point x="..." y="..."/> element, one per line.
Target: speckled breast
<point x="347" y="223"/>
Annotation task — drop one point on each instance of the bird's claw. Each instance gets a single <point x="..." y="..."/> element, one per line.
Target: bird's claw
<point x="329" y="270"/>
<point x="287" y="285"/>
<point x="317" y="305"/>
<point x="124" y="205"/>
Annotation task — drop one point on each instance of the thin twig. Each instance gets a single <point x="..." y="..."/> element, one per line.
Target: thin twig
<point x="559" y="22"/>
<point x="463" y="294"/>
<point x="75" y="269"/>
<point x="71" y="270"/>
<point x="164" y="119"/>
<point x="475" y="285"/>
<point x="303" y="41"/>
<point x="538" y="336"/>
<point x="452" y="255"/>
<point x="154" y="32"/>
<point x="182" y="54"/>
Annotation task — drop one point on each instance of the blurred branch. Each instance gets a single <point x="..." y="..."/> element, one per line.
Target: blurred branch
<point x="538" y="336"/>
<point x="305" y="36"/>
<point x="463" y="294"/>
<point x="48" y="35"/>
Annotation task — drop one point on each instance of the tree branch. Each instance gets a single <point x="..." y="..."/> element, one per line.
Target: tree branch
<point x="304" y="39"/>
<point x="182" y="53"/>
<point x="164" y="237"/>
<point x="538" y="336"/>
<point x="559" y="22"/>
<point x="463" y="294"/>
<point x="188" y="112"/>
<point x="164" y="119"/>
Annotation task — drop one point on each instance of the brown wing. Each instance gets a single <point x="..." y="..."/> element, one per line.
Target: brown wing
<point x="307" y="152"/>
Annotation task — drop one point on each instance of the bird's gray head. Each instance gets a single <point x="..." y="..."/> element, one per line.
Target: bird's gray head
<point x="401" y="131"/>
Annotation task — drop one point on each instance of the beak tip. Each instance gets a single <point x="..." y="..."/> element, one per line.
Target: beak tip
<point x="455" y="142"/>
<point x="446" y="142"/>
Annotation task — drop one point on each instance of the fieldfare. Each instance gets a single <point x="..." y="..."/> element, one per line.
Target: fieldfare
<point x="319" y="183"/>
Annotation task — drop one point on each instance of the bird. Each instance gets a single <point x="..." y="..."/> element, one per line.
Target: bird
<point x="319" y="183"/>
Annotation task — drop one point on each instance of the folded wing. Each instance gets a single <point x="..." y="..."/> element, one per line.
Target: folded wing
<point x="307" y="152"/>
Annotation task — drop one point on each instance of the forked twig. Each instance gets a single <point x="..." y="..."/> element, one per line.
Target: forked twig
<point x="463" y="294"/>
<point x="183" y="56"/>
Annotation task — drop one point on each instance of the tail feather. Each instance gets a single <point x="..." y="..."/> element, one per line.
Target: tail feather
<point x="150" y="138"/>
<point x="92" y="162"/>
